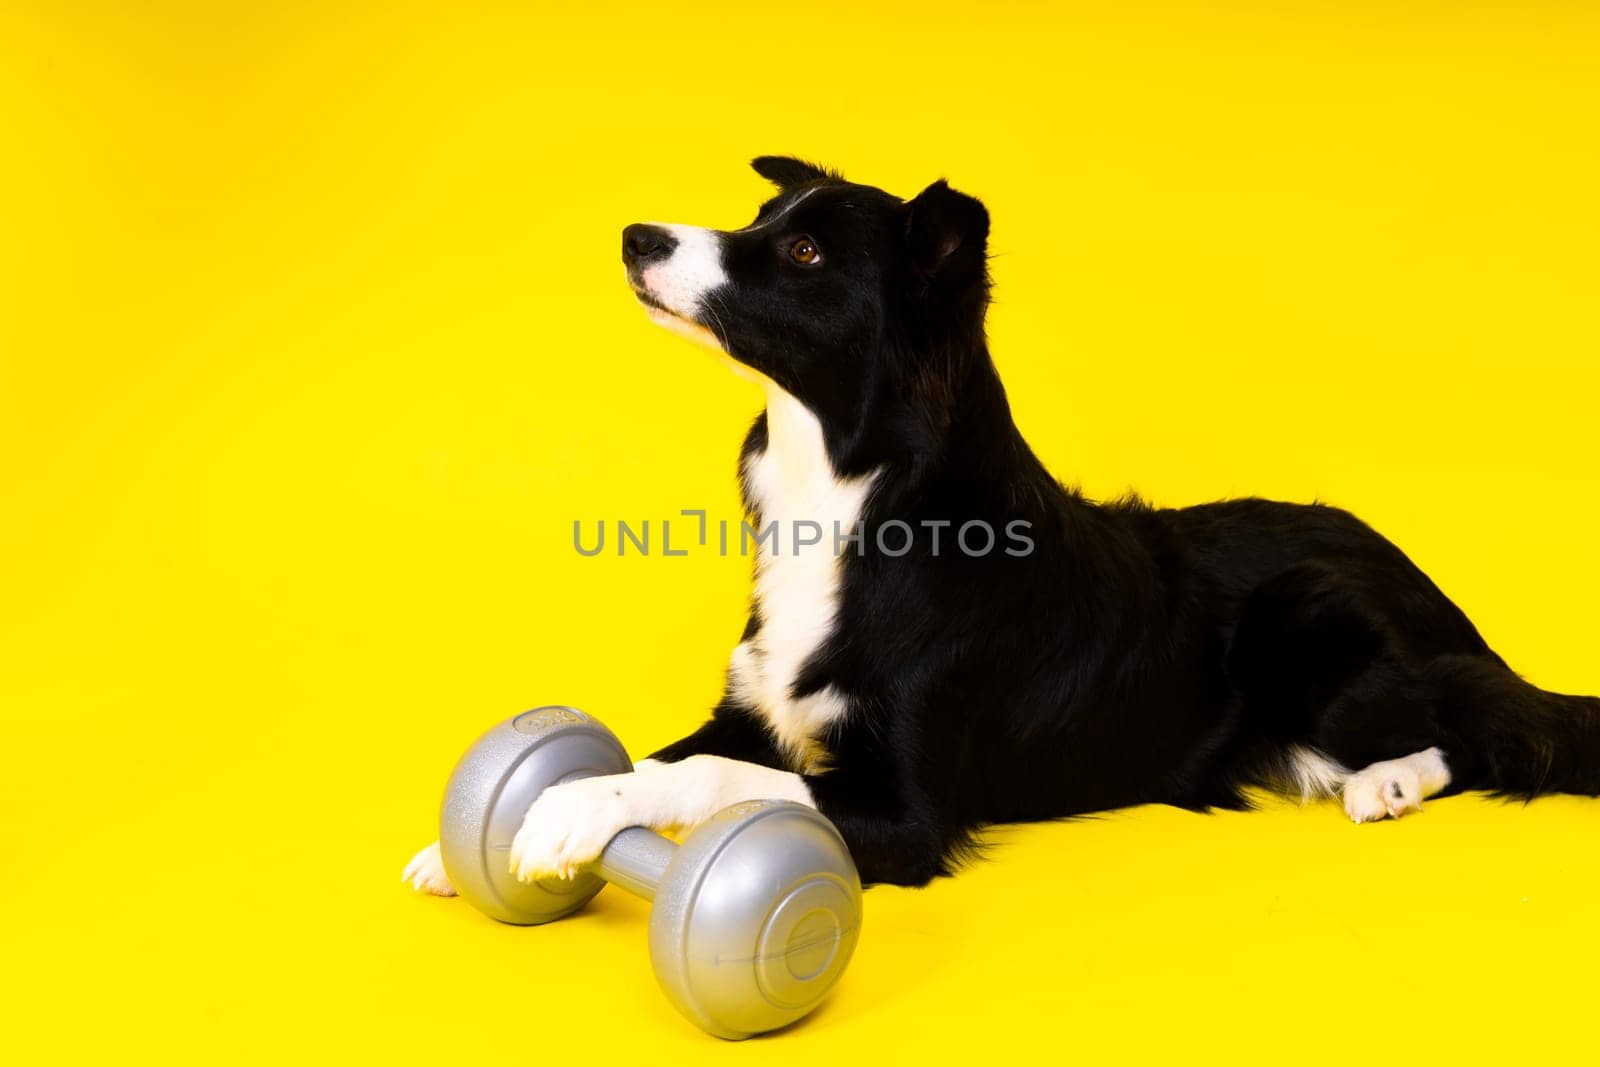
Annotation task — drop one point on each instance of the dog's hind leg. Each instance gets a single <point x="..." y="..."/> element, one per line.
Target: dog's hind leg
<point x="1470" y="723"/>
<point x="1392" y="788"/>
<point x="1386" y="789"/>
<point x="1383" y="724"/>
<point x="1319" y="678"/>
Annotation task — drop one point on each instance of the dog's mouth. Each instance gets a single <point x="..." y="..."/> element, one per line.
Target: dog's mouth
<point x="702" y="332"/>
<point x="648" y="300"/>
<point x="675" y="320"/>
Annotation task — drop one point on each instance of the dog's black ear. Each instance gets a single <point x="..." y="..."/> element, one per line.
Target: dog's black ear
<point x="786" y="171"/>
<point x="947" y="231"/>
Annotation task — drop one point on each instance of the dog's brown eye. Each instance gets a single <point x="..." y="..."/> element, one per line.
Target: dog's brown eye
<point x="804" y="252"/>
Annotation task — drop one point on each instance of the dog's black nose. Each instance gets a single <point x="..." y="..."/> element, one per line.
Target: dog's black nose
<point x="643" y="244"/>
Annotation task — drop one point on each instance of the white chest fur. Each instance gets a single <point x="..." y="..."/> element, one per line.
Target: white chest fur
<point x="793" y="485"/>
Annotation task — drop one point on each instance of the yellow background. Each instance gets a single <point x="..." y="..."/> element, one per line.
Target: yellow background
<point x="314" y="341"/>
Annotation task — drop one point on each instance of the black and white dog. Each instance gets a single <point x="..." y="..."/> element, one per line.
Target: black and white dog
<point x="914" y="688"/>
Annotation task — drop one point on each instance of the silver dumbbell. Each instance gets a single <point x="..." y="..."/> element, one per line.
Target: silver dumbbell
<point x="755" y="915"/>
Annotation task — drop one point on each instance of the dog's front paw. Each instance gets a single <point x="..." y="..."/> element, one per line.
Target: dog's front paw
<point x="567" y="827"/>
<point x="425" y="873"/>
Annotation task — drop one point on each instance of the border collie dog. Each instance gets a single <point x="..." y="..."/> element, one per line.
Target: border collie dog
<point x="1095" y="656"/>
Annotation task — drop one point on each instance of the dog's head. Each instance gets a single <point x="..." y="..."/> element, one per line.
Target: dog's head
<point x="846" y="297"/>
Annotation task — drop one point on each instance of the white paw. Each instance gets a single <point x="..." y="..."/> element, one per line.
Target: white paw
<point x="567" y="827"/>
<point x="1385" y="790"/>
<point x="425" y="873"/>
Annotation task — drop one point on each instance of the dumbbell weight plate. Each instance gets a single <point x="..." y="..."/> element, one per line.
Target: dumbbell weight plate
<point x="491" y="790"/>
<point x="756" y="918"/>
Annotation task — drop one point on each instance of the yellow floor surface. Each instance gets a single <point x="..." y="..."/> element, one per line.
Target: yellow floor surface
<point x="314" y="345"/>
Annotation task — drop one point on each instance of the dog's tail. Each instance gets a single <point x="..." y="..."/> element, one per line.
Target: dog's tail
<point x="1521" y="740"/>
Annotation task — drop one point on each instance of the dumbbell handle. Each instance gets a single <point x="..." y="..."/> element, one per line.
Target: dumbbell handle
<point x="635" y="860"/>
